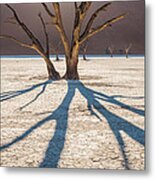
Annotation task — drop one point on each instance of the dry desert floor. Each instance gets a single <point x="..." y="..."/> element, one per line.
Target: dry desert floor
<point x="97" y="122"/>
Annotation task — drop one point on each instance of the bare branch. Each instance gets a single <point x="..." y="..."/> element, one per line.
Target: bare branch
<point x="57" y="21"/>
<point x="46" y="34"/>
<point x="17" y="41"/>
<point x="108" y="23"/>
<point x="25" y="28"/>
<point x="11" y="22"/>
<point x="93" y="17"/>
<point x="76" y="5"/>
<point x="84" y="6"/>
<point x="47" y="10"/>
<point x="127" y="49"/>
<point x="80" y="13"/>
<point x="60" y="28"/>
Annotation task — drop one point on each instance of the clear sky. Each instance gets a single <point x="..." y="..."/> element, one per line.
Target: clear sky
<point x="120" y="35"/>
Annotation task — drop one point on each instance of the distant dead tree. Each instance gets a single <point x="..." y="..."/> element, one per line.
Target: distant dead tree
<point x="109" y="50"/>
<point x="84" y="48"/>
<point x="106" y="51"/>
<point x="78" y="37"/>
<point x="127" y="49"/>
<point x="35" y="42"/>
<point x="56" y="50"/>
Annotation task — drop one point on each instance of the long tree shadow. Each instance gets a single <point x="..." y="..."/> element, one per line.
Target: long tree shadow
<point x="12" y="94"/>
<point x="115" y="122"/>
<point x="60" y="115"/>
<point x="112" y="100"/>
<point x="36" y="97"/>
<point x="56" y="144"/>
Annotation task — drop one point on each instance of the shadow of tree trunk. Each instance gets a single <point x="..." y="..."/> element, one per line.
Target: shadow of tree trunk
<point x="56" y="144"/>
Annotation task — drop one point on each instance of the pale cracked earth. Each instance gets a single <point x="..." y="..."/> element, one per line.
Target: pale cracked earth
<point x="97" y="122"/>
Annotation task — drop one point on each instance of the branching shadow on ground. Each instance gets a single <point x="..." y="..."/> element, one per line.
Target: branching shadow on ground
<point x="12" y="94"/>
<point x="60" y="115"/>
<point x="56" y="144"/>
<point x="112" y="100"/>
<point x="36" y="97"/>
<point x="115" y="122"/>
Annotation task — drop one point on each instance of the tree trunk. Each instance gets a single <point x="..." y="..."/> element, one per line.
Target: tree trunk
<point x="84" y="57"/>
<point x="71" y="72"/>
<point x="72" y="63"/>
<point x="52" y="73"/>
<point x="126" y="54"/>
<point x="111" y="55"/>
<point x="57" y="57"/>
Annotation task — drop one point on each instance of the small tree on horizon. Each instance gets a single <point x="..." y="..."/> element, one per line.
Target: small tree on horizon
<point x="110" y="51"/>
<point x="84" y="48"/>
<point x="56" y="49"/>
<point x="127" y="50"/>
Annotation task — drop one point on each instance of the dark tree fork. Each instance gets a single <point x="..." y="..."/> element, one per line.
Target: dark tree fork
<point x="78" y="38"/>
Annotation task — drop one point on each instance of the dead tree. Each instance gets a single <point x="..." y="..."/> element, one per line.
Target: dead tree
<point x="110" y="51"/>
<point x="127" y="49"/>
<point x="56" y="49"/>
<point x="84" y="47"/>
<point x="35" y="43"/>
<point x="78" y="37"/>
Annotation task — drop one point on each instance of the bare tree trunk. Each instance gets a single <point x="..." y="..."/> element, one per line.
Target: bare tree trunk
<point x="72" y="71"/>
<point x="111" y="55"/>
<point x="52" y="73"/>
<point x="72" y="64"/>
<point x="84" y="57"/>
<point x="57" y="57"/>
<point x="127" y="55"/>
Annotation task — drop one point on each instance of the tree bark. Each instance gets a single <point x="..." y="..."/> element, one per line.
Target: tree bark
<point x="72" y="64"/>
<point x="52" y="73"/>
<point x="72" y="71"/>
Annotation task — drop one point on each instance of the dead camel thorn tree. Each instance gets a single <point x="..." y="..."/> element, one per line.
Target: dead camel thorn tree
<point x="84" y="47"/>
<point x="110" y="51"/>
<point x="127" y="49"/>
<point x="35" y="43"/>
<point x="78" y="37"/>
<point x="56" y="49"/>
